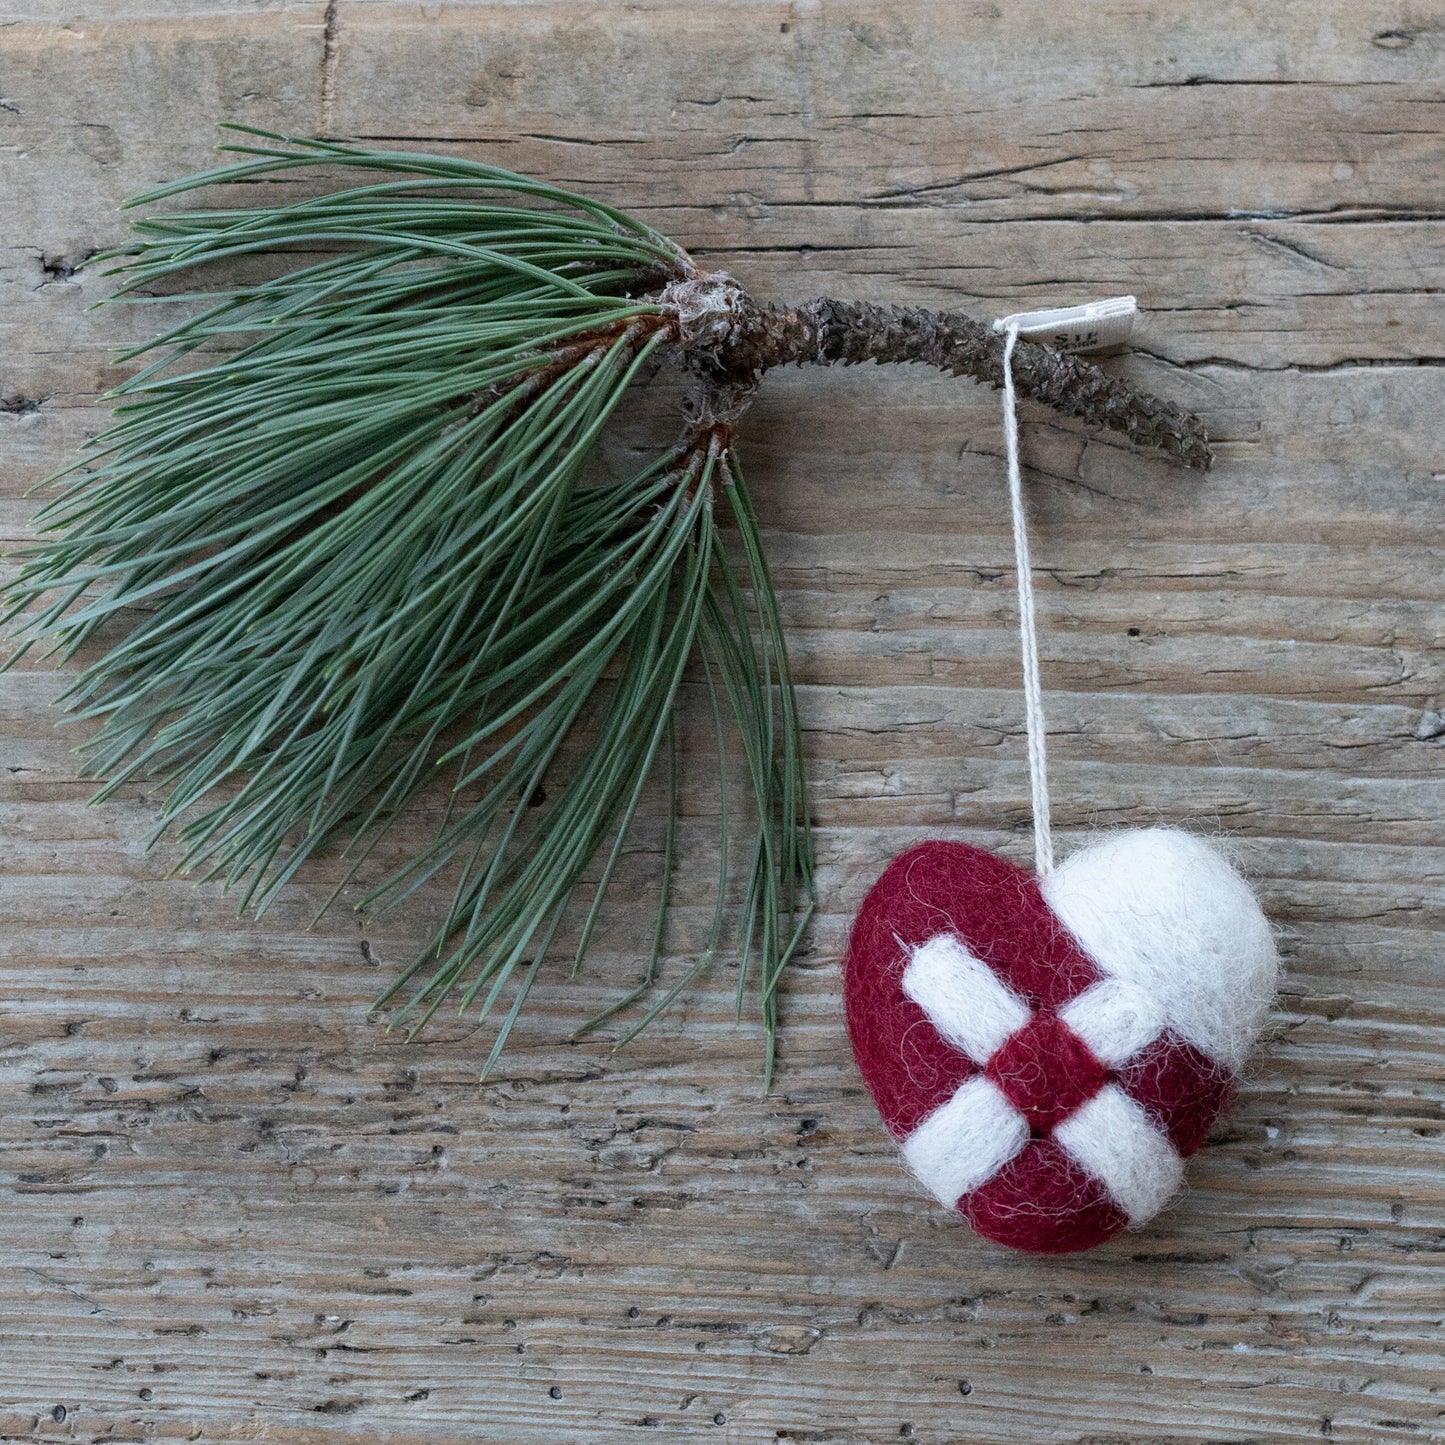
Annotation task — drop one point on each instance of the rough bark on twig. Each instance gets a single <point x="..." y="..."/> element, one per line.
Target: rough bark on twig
<point x="736" y="340"/>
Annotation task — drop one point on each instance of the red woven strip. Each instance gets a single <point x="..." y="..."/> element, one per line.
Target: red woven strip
<point x="1181" y="1089"/>
<point x="1042" y="1201"/>
<point x="1046" y="1071"/>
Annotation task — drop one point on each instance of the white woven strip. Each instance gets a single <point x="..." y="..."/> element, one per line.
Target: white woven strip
<point x="1111" y="1137"/>
<point x="1115" y="1019"/>
<point x="964" y="998"/>
<point x="966" y="1141"/>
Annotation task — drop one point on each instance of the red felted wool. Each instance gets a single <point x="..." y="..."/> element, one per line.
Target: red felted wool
<point x="1180" y="1089"/>
<point x="1046" y="1092"/>
<point x="1043" y="1202"/>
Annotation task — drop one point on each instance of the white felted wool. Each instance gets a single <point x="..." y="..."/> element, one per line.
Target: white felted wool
<point x="967" y="1140"/>
<point x="1115" y="1018"/>
<point x="1162" y="913"/>
<point x="965" y="999"/>
<point x="1112" y="1138"/>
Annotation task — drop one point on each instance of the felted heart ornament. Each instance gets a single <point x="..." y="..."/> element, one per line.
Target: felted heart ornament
<point x="1048" y="1051"/>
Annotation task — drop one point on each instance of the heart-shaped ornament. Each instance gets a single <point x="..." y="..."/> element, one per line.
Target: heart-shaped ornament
<point x="1047" y="1052"/>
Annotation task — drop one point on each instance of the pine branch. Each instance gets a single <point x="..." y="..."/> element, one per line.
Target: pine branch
<point x="345" y="521"/>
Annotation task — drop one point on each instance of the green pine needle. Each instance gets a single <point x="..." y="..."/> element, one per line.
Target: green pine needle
<point x="353" y="547"/>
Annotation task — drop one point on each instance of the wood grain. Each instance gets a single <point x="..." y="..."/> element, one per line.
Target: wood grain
<point x="235" y="1208"/>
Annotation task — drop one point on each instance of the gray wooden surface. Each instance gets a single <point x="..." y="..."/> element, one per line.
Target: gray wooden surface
<point x="236" y="1209"/>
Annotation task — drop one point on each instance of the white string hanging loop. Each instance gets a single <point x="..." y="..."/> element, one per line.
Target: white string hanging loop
<point x="1035" y="727"/>
<point x="1094" y="326"/>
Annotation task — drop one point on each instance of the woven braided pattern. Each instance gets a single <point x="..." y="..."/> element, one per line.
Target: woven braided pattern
<point x="1048" y="1096"/>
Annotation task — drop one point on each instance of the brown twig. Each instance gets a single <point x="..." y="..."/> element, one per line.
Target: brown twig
<point x="732" y="341"/>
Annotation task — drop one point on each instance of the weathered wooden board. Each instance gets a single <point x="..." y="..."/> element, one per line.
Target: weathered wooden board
<point x="236" y="1208"/>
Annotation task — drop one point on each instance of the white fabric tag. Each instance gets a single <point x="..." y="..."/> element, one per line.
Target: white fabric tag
<point x="1094" y="326"/>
